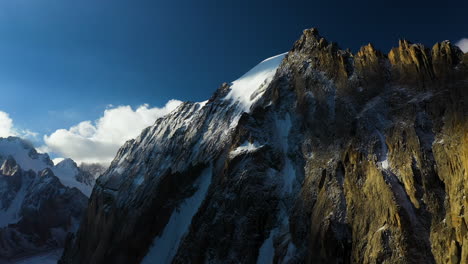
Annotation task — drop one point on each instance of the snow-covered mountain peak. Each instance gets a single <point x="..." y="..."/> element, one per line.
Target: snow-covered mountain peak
<point x="24" y="154"/>
<point x="14" y="150"/>
<point x="248" y="88"/>
<point x="70" y="175"/>
<point x="67" y="164"/>
<point x="38" y="204"/>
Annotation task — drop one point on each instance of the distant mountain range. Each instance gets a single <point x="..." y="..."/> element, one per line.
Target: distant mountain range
<point x="39" y="202"/>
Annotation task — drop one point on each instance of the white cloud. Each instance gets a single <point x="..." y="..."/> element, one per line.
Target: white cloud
<point x="463" y="44"/>
<point x="43" y="149"/>
<point x="7" y="128"/>
<point x="6" y="125"/>
<point x="99" y="141"/>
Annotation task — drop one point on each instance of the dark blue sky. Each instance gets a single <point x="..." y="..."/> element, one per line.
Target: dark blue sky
<point x="62" y="62"/>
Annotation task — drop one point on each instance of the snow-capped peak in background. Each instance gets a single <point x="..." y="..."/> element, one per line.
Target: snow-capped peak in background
<point x="70" y="175"/>
<point x="26" y="156"/>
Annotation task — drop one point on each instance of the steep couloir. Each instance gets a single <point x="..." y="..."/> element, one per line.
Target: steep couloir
<point x="314" y="156"/>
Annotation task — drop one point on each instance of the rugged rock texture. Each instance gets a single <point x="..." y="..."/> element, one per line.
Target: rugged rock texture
<point x="37" y="211"/>
<point x="39" y="203"/>
<point x="342" y="158"/>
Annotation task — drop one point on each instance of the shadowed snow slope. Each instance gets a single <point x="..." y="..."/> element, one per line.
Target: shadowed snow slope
<point x="165" y="246"/>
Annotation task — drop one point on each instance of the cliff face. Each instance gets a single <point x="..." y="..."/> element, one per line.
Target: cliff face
<point x="339" y="158"/>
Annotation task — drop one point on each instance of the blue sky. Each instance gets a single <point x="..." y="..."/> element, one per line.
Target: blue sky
<point x="63" y="62"/>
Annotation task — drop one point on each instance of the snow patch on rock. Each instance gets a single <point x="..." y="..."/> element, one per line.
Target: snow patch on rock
<point x="383" y="156"/>
<point x="245" y="148"/>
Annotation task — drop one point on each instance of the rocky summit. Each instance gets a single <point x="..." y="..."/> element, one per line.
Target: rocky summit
<point x="319" y="155"/>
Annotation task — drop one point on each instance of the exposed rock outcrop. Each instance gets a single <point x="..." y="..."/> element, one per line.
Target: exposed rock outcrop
<point x="342" y="158"/>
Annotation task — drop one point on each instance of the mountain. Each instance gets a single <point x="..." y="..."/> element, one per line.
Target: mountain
<point x="24" y="153"/>
<point x="318" y="155"/>
<point x="39" y="202"/>
<point x="71" y="175"/>
<point x="28" y="158"/>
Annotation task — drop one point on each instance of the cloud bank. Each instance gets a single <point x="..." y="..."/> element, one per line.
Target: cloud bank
<point x="99" y="141"/>
<point x="463" y="44"/>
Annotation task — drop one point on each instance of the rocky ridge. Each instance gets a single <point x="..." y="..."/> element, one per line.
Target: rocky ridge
<point x="340" y="158"/>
